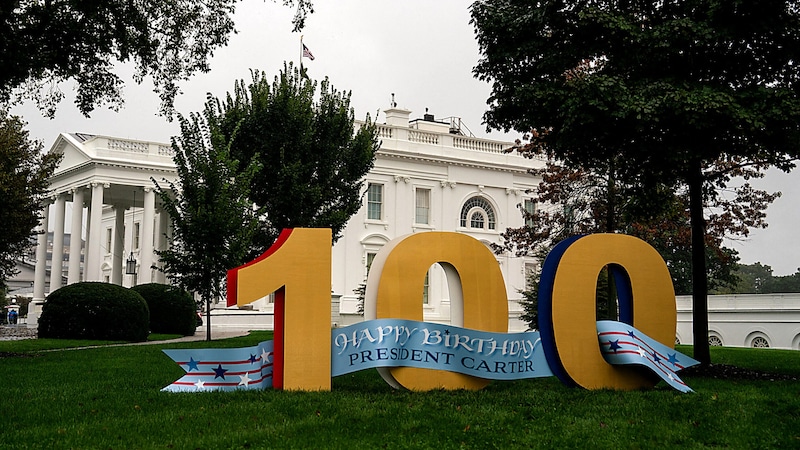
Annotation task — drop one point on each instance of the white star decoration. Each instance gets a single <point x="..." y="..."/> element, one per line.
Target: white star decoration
<point x="200" y="385"/>
<point x="641" y="352"/>
<point x="244" y="379"/>
<point x="265" y="355"/>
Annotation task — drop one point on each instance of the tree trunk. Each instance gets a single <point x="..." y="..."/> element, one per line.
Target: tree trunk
<point x="208" y="316"/>
<point x="699" y="272"/>
<point x="611" y="227"/>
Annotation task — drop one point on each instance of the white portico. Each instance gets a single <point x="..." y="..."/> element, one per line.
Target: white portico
<point x="103" y="177"/>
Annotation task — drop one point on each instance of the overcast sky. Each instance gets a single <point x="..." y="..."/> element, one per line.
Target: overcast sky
<point x="423" y="51"/>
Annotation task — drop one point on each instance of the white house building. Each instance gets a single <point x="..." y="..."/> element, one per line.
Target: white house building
<point x="427" y="176"/>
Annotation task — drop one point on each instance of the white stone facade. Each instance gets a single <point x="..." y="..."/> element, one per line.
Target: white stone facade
<point x="430" y="179"/>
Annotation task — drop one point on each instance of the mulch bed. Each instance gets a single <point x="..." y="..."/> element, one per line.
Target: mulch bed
<point x="726" y="372"/>
<point x="16" y="355"/>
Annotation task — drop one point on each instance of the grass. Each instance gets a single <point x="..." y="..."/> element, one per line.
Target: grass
<point x="109" y="398"/>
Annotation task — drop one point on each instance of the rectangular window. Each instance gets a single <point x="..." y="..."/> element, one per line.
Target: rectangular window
<point x="375" y="201"/>
<point x="530" y="208"/>
<point x="108" y="240"/>
<point x="426" y="288"/>
<point x="136" y="229"/>
<point x="422" y="206"/>
<point x="370" y="258"/>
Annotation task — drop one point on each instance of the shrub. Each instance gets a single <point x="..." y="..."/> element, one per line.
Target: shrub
<point x="172" y="310"/>
<point x="95" y="311"/>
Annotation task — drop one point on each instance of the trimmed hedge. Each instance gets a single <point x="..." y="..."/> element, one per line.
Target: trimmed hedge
<point x="172" y="309"/>
<point x="95" y="310"/>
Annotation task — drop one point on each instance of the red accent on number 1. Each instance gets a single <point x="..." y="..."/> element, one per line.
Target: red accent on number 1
<point x="233" y="274"/>
<point x="279" y="321"/>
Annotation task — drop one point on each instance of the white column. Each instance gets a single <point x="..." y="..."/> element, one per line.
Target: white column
<point x="146" y="254"/>
<point x="40" y="276"/>
<point x="162" y="243"/>
<point x="118" y="254"/>
<point x="88" y="233"/>
<point x="74" y="273"/>
<point x="93" y="243"/>
<point x="56" y="262"/>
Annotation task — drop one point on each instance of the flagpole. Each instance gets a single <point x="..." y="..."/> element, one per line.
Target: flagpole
<point x="301" y="53"/>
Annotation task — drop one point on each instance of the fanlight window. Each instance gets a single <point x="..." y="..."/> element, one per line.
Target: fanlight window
<point x="478" y="213"/>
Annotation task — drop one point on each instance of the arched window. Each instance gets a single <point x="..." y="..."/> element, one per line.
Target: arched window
<point x="478" y="213"/>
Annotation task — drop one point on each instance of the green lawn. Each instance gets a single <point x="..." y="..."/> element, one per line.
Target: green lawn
<point x="109" y="398"/>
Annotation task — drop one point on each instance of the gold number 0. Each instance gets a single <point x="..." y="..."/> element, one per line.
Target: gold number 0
<point x="477" y="295"/>
<point x="567" y="311"/>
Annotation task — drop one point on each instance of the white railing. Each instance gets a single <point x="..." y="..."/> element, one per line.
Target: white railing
<point x="166" y="150"/>
<point x="480" y="145"/>
<point x="423" y="137"/>
<point x="401" y="133"/>
<point x="385" y="132"/>
<point x="138" y="147"/>
<point x="128" y="146"/>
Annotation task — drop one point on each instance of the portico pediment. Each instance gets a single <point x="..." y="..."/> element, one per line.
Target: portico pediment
<point x="73" y="154"/>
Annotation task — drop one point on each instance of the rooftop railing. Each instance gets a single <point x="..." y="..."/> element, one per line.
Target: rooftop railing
<point x="389" y="132"/>
<point x="136" y="147"/>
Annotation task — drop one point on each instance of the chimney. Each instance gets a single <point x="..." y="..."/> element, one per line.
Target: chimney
<point x="397" y="117"/>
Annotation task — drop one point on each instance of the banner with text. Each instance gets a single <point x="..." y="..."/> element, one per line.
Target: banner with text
<point x="409" y="343"/>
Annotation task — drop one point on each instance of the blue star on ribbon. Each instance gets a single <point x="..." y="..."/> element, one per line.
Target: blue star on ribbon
<point x="614" y="345"/>
<point x="672" y="358"/>
<point x="219" y="372"/>
<point x="253" y="358"/>
<point x="192" y="365"/>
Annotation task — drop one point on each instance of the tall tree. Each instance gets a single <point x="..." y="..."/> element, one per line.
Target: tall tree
<point x="212" y="218"/>
<point x="313" y="162"/>
<point x="672" y="86"/>
<point x="24" y="183"/>
<point x="45" y="42"/>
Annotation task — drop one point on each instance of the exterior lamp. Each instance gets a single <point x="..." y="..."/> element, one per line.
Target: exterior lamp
<point x="130" y="265"/>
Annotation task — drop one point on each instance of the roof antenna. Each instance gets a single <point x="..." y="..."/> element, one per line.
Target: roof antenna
<point x="394" y="105"/>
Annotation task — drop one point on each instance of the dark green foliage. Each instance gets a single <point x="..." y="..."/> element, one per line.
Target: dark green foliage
<point x="24" y="182"/>
<point x="313" y="162"/>
<point x="95" y="311"/>
<point x="172" y="309"/>
<point x="43" y="43"/>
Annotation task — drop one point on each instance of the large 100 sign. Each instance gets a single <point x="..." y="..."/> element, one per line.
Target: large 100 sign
<point x="632" y="353"/>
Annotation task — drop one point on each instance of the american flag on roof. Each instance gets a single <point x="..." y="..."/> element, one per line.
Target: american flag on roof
<point x="307" y="53"/>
